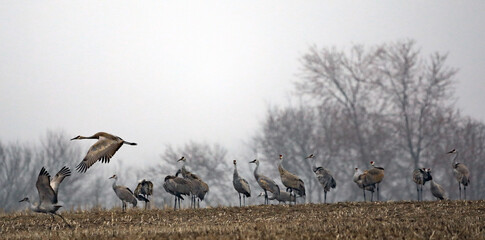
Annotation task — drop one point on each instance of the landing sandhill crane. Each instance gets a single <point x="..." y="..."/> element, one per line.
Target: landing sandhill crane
<point x="48" y="189"/>
<point x="461" y="172"/>
<point x="102" y="150"/>
<point x="324" y="177"/>
<point x="267" y="184"/>
<point x="145" y="189"/>
<point x="292" y="182"/>
<point x="358" y="178"/>
<point x="177" y="186"/>
<point x="283" y="197"/>
<point x="436" y="189"/>
<point x="124" y="193"/>
<point x="374" y="176"/>
<point x="199" y="187"/>
<point x="420" y="177"/>
<point x="241" y="185"/>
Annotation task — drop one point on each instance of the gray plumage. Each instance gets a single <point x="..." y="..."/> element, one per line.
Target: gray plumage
<point x="47" y="189"/>
<point x="358" y="178"/>
<point x="199" y="187"/>
<point x="123" y="193"/>
<point x="241" y="185"/>
<point x="292" y="182"/>
<point x="102" y="150"/>
<point x="436" y="189"/>
<point x="283" y="197"/>
<point x="177" y="186"/>
<point x="460" y="172"/>
<point x="143" y="191"/>
<point x="267" y="184"/>
<point x="324" y="177"/>
<point x="420" y="177"/>
<point x="373" y="176"/>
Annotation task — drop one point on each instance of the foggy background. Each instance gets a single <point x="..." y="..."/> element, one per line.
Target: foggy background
<point x="221" y="81"/>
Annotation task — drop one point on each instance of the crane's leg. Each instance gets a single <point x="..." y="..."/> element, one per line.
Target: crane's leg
<point x="459" y="187"/>
<point x="464" y="190"/>
<point x="378" y="199"/>
<point x="69" y="225"/>
<point x="265" y="197"/>
<point x="363" y="189"/>
<point x="239" y="199"/>
<point x="372" y="196"/>
<point x="244" y="197"/>
<point x="175" y="204"/>
<point x="324" y="196"/>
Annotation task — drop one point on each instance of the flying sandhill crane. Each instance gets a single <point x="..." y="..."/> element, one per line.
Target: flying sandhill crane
<point x="420" y="177"/>
<point x="324" y="177"/>
<point x="283" y="197"/>
<point x="199" y="187"/>
<point x="461" y="172"/>
<point x="358" y="178"/>
<point x="292" y="182"/>
<point x="145" y="189"/>
<point x="102" y="150"/>
<point x="436" y="189"/>
<point x="267" y="184"/>
<point x="177" y="186"/>
<point x="48" y="189"/>
<point x="124" y="193"/>
<point x="241" y="185"/>
<point x="374" y="176"/>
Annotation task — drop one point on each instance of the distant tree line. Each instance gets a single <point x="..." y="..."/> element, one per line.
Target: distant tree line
<point x="386" y="103"/>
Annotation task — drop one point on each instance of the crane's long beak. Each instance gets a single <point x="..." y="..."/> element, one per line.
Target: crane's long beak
<point x="253" y="161"/>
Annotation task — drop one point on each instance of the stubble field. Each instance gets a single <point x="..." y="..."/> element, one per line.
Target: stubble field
<point x="347" y="220"/>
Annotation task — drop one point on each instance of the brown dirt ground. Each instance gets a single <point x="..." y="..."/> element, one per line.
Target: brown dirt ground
<point x="346" y="220"/>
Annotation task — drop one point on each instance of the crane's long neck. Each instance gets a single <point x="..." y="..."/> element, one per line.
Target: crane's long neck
<point x="281" y="169"/>
<point x="236" y="174"/>
<point x="454" y="159"/>
<point x="256" y="175"/>
<point x="114" y="183"/>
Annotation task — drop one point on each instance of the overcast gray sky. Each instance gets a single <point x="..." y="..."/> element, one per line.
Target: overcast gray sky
<point x="166" y="72"/>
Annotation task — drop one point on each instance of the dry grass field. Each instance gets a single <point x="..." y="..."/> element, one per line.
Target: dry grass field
<point x="348" y="220"/>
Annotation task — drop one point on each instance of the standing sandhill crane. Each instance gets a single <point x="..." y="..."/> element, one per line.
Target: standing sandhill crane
<point x="324" y="177"/>
<point x="145" y="189"/>
<point x="177" y="186"/>
<point x="436" y="189"/>
<point x="283" y="197"/>
<point x="102" y="150"/>
<point x="267" y="184"/>
<point x="461" y="172"/>
<point x="292" y="182"/>
<point x="420" y="177"/>
<point x="374" y="176"/>
<point x="199" y="187"/>
<point x="241" y="185"/>
<point x="123" y="193"/>
<point x="359" y="177"/>
<point x="48" y="189"/>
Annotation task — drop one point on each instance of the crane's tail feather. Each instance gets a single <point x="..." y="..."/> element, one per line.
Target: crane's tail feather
<point x="142" y="198"/>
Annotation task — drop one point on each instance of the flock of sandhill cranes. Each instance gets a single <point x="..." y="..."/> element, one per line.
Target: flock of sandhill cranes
<point x="192" y="185"/>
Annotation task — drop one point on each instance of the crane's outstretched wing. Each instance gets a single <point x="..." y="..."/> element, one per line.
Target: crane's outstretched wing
<point x="46" y="193"/>
<point x="59" y="177"/>
<point x="102" y="151"/>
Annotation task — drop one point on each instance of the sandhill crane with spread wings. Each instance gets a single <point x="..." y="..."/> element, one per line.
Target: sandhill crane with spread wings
<point x="177" y="186"/>
<point x="324" y="177"/>
<point x="102" y="150"/>
<point x="267" y="184"/>
<point x="358" y="178"/>
<point x="292" y="182"/>
<point x="145" y="189"/>
<point x="48" y="189"/>
<point x="461" y="172"/>
<point x="374" y="176"/>
<point x="420" y="177"/>
<point x="436" y="189"/>
<point x="124" y="194"/>
<point x="199" y="187"/>
<point x="241" y="185"/>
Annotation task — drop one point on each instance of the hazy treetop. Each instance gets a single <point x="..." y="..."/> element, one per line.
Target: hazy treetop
<point x="169" y="72"/>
